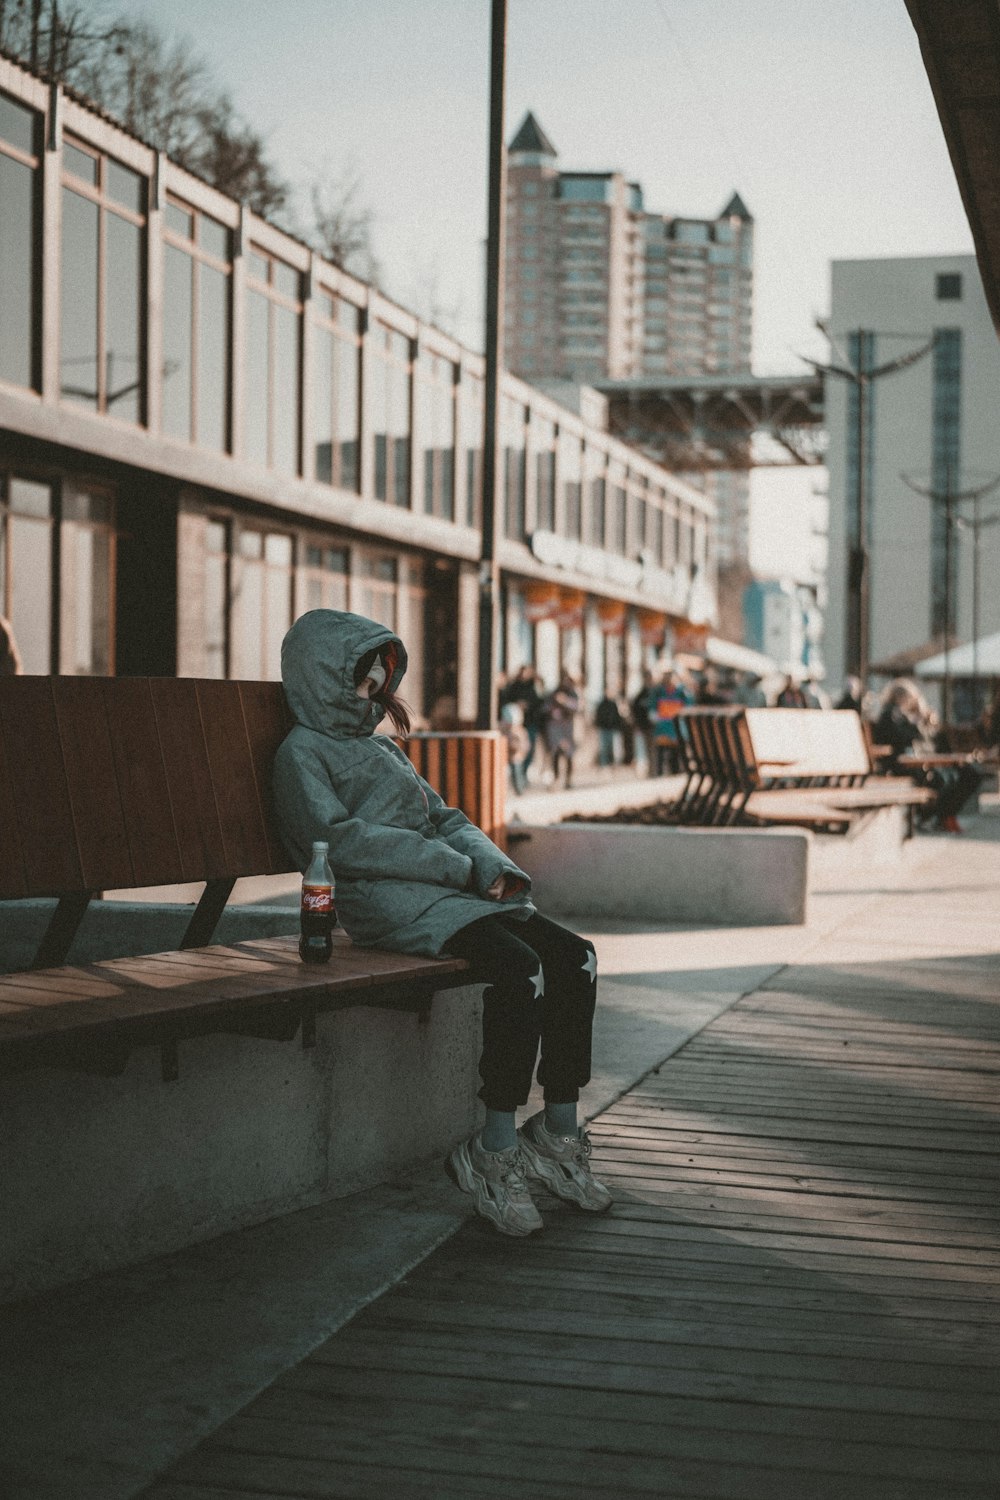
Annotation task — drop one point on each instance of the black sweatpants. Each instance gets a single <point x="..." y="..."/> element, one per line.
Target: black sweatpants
<point x="541" y="987"/>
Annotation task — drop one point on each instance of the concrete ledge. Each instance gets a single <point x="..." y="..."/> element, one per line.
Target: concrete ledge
<point x="101" y="1172"/>
<point x="719" y="876"/>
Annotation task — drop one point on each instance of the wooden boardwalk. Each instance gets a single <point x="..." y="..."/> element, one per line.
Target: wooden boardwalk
<point x="795" y="1297"/>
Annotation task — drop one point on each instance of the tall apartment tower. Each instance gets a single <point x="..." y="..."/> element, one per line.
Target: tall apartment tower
<point x="600" y="289"/>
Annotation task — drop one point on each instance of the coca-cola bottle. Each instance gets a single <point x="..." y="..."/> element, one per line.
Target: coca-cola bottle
<point x="319" y="913"/>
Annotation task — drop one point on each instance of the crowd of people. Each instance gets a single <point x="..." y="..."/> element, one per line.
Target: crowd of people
<point x="544" y="729"/>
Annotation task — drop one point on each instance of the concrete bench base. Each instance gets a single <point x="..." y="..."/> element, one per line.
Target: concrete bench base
<point x="102" y="1172"/>
<point x="719" y="876"/>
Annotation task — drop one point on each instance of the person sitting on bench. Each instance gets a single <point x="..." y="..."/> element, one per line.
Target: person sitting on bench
<point x="906" y="725"/>
<point x="416" y="876"/>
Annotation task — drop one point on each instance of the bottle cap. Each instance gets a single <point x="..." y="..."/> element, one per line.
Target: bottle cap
<point x="320" y="844"/>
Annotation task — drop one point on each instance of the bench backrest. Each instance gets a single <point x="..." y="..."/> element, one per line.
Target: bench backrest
<point x="113" y="783"/>
<point x="109" y="783"/>
<point x="801" y="742"/>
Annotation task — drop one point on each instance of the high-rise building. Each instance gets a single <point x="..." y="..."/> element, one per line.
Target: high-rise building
<point x="599" y="288"/>
<point x="934" y="423"/>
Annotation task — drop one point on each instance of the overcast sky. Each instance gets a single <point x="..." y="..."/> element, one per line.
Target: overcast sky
<point x="817" y="111"/>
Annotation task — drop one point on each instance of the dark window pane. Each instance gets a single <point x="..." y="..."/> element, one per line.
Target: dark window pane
<point x="123" y="370"/>
<point x="124" y="186"/>
<point x="213" y="359"/>
<point x="80" y="164"/>
<point x="18" y="277"/>
<point x="314" y="557"/>
<point x="285" y="416"/>
<point x="949" y="286"/>
<point x="26" y="497"/>
<point x="348" y="418"/>
<point x="178" y="303"/>
<point x="18" y="125"/>
<point x="78" y="354"/>
<point x="255" y="433"/>
<point x="30" y="599"/>
<point x="323" y="405"/>
<point x="377" y="397"/>
<point x="214" y="238"/>
<point x="285" y="280"/>
<point x="180" y="221"/>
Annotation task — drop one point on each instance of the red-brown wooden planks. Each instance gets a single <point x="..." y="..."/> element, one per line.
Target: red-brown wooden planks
<point x="188" y="778"/>
<point x="38" y="788"/>
<point x="268" y="720"/>
<point x="142" y="782"/>
<point x="451" y="782"/>
<point x="13" y="882"/>
<point x="101" y="836"/>
<point x="229" y="756"/>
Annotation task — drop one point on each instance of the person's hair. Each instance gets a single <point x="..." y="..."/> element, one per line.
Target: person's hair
<point x="396" y="710"/>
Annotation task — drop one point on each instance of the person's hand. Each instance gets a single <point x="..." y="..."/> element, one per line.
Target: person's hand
<point x="504" y="887"/>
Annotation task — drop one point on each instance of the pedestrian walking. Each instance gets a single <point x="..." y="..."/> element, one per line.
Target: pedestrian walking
<point x="791" y="695"/>
<point x="416" y="876"/>
<point x="609" y="723"/>
<point x="523" y="688"/>
<point x="561" y="709"/>
<point x="641" y="709"/>
<point x="668" y="698"/>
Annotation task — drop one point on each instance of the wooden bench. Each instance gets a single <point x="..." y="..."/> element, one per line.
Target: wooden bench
<point x="109" y="784"/>
<point x="800" y="767"/>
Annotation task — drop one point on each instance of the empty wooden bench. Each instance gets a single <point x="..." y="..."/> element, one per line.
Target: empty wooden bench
<point x="110" y="784"/>
<point x="802" y="767"/>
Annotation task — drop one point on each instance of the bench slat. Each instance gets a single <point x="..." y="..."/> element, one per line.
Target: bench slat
<point x="39" y="792"/>
<point x="268" y="720"/>
<point x="142" y="782"/>
<point x="189" y="781"/>
<point x="233" y="780"/>
<point x="85" y="737"/>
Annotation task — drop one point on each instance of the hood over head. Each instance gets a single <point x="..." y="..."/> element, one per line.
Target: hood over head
<point x="318" y="660"/>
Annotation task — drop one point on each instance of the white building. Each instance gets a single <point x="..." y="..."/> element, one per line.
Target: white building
<point x="937" y="422"/>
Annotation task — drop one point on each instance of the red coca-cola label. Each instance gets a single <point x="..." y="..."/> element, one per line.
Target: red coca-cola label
<point x="318" y="898"/>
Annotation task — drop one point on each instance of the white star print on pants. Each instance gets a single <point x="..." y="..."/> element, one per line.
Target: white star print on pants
<point x="538" y="980"/>
<point x="590" y="964"/>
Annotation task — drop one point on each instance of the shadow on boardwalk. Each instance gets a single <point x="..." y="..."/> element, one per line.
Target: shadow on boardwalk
<point x="795" y="1295"/>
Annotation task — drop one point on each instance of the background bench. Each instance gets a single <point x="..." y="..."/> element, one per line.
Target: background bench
<point x="800" y="767"/>
<point x="121" y="783"/>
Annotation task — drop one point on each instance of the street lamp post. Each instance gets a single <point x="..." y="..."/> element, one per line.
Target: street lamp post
<point x="489" y="573"/>
<point x="949" y="497"/>
<point x="858" y="579"/>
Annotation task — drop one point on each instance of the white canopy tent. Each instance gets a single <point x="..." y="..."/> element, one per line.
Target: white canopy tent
<point x="960" y="661"/>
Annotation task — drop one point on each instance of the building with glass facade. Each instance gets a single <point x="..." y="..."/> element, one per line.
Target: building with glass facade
<point x="205" y="430"/>
<point x="935" y="423"/>
<point x="599" y="288"/>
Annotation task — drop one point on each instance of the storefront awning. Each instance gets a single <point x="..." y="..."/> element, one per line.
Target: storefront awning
<point x="983" y="658"/>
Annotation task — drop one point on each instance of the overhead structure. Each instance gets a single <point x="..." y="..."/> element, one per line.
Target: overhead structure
<point x="697" y="423"/>
<point x="960" y="42"/>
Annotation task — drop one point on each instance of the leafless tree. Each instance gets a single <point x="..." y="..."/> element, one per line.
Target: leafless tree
<point x="339" y="223"/>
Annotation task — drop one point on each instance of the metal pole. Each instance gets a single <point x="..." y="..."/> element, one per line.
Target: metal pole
<point x="492" y="479"/>
<point x="862" y="481"/>
<point x="975" y="607"/>
<point x="946" y="687"/>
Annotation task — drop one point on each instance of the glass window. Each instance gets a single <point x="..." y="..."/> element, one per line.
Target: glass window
<point x="26" y="569"/>
<point x="389" y="358"/>
<point x="598" y="508"/>
<point x="216" y="599"/>
<point x="436" y="397"/>
<point x="378" y="588"/>
<point x="273" y="392"/>
<point x="19" y="125"/>
<point x="19" y="211"/>
<point x="544" y="439"/>
<point x="571" y="471"/>
<point x="263" y="602"/>
<point x="324" y="578"/>
<point x="515" y="417"/>
<point x="618" y="506"/>
<point x="86" y="573"/>
<point x="473" y="413"/>
<point x="102" y="353"/>
<point x="586" y="189"/>
<point x="337" y="396"/>
<point x="948" y="286"/>
<point x="196" y="332"/>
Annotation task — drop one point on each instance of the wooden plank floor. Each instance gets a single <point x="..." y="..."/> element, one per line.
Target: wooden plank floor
<point x="795" y="1297"/>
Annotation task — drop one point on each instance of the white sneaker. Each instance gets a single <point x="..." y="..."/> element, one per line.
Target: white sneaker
<point x="495" y="1182"/>
<point x="562" y="1162"/>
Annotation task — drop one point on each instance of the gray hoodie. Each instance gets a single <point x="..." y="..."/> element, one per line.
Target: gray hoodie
<point x="410" y="871"/>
